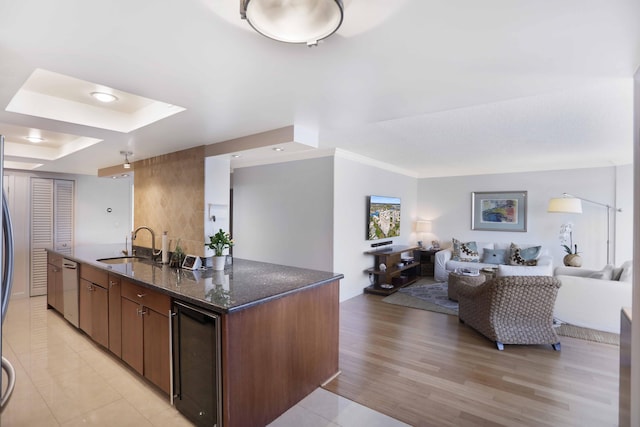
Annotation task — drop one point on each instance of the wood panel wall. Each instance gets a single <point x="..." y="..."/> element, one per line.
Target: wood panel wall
<point x="169" y="196"/>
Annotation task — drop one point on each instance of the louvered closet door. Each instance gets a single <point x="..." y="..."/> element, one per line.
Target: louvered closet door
<point x="51" y="226"/>
<point x="41" y="232"/>
<point x="63" y="216"/>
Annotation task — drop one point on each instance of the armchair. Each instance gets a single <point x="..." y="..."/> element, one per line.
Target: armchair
<point x="512" y="309"/>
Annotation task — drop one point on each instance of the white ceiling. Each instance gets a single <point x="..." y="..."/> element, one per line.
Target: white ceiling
<point x="433" y="88"/>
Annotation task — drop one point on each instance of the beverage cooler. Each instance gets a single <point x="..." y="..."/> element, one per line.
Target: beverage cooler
<point x="196" y="364"/>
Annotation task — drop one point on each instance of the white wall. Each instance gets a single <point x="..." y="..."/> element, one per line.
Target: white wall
<point x="93" y="224"/>
<point x="93" y="221"/>
<point x="623" y="242"/>
<point x="354" y="182"/>
<point x="447" y="202"/>
<point x="17" y="189"/>
<point x="283" y="213"/>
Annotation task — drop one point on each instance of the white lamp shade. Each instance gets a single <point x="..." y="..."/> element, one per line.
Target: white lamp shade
<point x="565" y="205"/>
<point x="294" y="21"/>
<point x="423" y="226"/>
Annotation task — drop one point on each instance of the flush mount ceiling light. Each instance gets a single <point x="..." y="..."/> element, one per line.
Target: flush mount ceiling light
<point x="293" y="21"/>
<point x="126" y="155"/>
<point x="34" y="139"/>
<point x="278" y="149"/>
<point x="104" y="97"/>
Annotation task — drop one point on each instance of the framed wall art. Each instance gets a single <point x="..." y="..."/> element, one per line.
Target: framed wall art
<point x="499" y="211"/>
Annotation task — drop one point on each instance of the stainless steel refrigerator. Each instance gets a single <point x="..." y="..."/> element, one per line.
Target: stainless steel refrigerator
<point x="6" y="266"/>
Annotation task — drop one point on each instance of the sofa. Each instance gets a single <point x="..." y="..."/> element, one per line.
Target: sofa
<point x="593" y="298"/>
<point x="508" y="258"/>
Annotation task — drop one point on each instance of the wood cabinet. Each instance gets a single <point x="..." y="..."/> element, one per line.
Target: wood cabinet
<point x="115" y="316"/>
<point x="277" y="352"/>
<point x="145" y="333"/>
<point x="132" y="335"/>
<point x="94" y="304"/>
<point x="55" y="296"/>
<point x="393" y="268"/>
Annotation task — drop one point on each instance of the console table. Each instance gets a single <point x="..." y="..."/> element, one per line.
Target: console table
<point x="426" y="258"/>
<point x="397" y="274"/>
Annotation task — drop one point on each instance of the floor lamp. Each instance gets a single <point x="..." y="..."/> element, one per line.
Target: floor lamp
<point x="573" y="204"/>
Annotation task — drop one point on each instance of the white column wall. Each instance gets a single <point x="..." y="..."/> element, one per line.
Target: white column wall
<point x="635" y="331"/>
<point x="217" y="201"/>
<point x="283" y="213"/>
<point x="354" y="182"/>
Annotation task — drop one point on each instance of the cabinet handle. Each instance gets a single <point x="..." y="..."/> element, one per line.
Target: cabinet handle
<point x="111" y="283"/>
<point x="141" y="311"/>
<point x="141" y="295"/>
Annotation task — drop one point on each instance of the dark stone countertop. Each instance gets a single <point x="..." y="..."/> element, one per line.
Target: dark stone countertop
<point x="242" y="284"/>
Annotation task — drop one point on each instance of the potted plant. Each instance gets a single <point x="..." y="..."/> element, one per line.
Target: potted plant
<point x="177" y="256"/>
<point x="571" y="259"/>
<point x="218" y="243"/>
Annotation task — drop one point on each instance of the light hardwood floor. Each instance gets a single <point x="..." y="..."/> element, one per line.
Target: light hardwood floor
<point x="63" y="379"/>
<point x="427" y="369"/>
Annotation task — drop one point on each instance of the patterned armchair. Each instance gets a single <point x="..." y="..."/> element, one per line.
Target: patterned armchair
<point x="512" y="309"/>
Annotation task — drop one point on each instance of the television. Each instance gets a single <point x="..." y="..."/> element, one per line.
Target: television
<point x="384" y="217"/>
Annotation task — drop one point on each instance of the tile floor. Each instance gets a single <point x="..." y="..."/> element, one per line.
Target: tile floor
<point x="63" y="379"/>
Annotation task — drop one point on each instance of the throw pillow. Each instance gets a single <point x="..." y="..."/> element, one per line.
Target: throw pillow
<point x="494" y="256"/>
<point x="465" y="251"/>
<point x="615" y="274"/>
<point x="605" y="274"/>
<point x="626" y="274"/>
<point x="524" y="256"/>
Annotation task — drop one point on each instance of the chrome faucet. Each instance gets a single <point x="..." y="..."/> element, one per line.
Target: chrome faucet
<point x="125" y="251"/>
<point x="134" y="233"/>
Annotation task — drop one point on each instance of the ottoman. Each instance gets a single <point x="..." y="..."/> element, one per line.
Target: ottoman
<point x="456" y="280"/>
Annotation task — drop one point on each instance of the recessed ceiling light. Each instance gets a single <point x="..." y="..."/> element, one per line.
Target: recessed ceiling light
<point x="34" y="139"/>
<point x="104" y="97"/>
<point x="235" y="156"/>
<point x="278" y="149"/>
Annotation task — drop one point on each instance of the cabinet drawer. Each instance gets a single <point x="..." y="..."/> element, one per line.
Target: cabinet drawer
<point x="154" y="300"/>
<point x="94" y="275"/>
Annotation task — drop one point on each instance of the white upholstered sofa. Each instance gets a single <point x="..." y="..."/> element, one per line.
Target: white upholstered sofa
<point x="593" y="298"/>
<point x="489" y="255"/>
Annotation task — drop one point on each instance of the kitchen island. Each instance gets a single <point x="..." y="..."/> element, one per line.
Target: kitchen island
<point x="278" y="326"/>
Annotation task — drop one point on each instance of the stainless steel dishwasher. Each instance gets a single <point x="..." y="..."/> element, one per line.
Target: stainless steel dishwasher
<point x="70" y="291"/>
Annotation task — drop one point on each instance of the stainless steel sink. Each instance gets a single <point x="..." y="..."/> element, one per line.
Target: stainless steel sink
<point x="122" y="260"/>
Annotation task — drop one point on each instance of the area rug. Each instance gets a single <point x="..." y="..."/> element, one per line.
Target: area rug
<point x="432" y="296"/>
